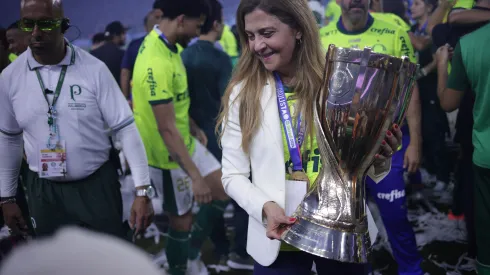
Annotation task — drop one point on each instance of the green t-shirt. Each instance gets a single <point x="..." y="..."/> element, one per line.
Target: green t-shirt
<point x="159" y="77"/>
<point x="471" y="73"/>
<point x="383" y="37"/>
<point x="228" y="42"/>
<point x="392" y="18"/>
<point x="12" y="57"/>
<point x="312" y="166"/>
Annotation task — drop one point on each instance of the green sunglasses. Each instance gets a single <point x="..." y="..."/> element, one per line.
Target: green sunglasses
<point x="27" y="25"/>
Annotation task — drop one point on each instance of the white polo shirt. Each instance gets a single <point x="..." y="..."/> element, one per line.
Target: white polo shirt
<point x="89" y="105"/>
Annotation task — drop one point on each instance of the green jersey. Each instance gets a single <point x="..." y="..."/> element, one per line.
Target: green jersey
<point x="471" y="74"/>
<point x="159" y="77"/>
<point x="392" y="18"/>
<point x="383" y="37"/>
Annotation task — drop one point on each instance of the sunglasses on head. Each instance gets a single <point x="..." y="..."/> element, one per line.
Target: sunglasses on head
<point x="28" y="25"/>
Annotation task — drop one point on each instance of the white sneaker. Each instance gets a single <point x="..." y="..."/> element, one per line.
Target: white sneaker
<point x="196" y="267"/>
<point x="440" y="186"/>
<point x="313" y="268"/>
<point x="160" y="260"/>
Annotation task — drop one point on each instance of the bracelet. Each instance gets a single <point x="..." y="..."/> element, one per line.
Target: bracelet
<point x="10" y="200"/>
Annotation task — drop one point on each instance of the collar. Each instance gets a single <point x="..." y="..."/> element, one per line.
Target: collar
<point x="68" y="60"/>
<point x="162" y="37"/>
<point x="342" y="29"/>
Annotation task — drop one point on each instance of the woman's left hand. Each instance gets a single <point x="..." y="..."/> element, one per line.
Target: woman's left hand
<point x="389" y="145"/>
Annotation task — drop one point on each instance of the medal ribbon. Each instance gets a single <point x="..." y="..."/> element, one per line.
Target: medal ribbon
<point x="52" y="123"/>
<point x="294" y="144"/>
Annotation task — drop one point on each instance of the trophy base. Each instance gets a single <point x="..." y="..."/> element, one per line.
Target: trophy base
<point x="327" y="242"/>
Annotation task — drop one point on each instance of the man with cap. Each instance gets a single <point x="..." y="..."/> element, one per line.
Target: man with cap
<point x="62" y="102"/>
<point x="111" y="53"/>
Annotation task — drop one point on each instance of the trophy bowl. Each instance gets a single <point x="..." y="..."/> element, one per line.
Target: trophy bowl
<point x="362" y="95"/>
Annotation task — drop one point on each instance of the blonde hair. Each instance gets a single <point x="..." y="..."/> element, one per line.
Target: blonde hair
<point x="252" y="75"/>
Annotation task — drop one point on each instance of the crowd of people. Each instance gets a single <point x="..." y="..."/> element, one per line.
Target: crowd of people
<point x="189" y="113"/>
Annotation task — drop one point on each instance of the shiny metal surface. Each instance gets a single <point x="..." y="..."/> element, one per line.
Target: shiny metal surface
<point x="362" y="95"/>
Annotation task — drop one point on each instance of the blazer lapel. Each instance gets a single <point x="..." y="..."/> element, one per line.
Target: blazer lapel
<point x="271" y="122"/>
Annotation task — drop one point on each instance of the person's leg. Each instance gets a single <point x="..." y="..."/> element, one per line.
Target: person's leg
<point x="218" y="234"/>
<point x="239" y="258"/>
<point x="469" y="202"/>
<point x="209" y="213"/>
<point x="45" y="206"/>
<point x="178" y="206"/>
<point x="287" y="263"/>
<point x="482" y="218"/>
<point x="326" y="266"/>
<point x="389" y="195"/>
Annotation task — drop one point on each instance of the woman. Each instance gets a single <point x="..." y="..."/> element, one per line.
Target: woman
<point x="279" y="38"/>
<point x="434" y="120"/>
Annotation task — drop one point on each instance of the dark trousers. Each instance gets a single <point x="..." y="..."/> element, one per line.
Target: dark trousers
<point x="300" y="263"/>
<point x="482" y="217"/>
<point x="464" y="195"/>
<point x="240" y="219"/>
<point x="434" y="129"/>
<point x="94" y="203"/>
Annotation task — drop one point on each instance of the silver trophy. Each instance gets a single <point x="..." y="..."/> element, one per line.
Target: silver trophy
<point x="362" y="95"/>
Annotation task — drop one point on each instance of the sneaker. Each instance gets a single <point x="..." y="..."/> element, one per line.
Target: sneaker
<point x="196" y="267"/>
<point x="313" y="268"/>
<point x="240" y="263"/>
<point x="160" y="260"/>
<point x="223" y="263"/>
<point x="453" y="217"/>
<point x="439" y="186"/>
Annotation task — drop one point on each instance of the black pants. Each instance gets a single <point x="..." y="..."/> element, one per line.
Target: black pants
<point x="94" y="203"/>
<point x="240" y="219"/>
<point x="482" y="216"/>
<point x="434" y="130"/>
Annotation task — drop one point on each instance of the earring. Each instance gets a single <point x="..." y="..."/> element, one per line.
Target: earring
<point x="299" y="41"/>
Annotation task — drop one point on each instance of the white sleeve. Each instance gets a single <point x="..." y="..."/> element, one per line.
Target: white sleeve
<point x="10" y="160"/>
<point x="10" y="144"/>
<point x="236" y="168"/>
<point x="8" y="123"/>
<point x="112" y="104"/>
<point x="134" y="151"/>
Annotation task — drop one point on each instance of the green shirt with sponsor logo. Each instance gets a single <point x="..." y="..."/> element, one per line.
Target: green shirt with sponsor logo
<point x="383" y="37"/>
<point x="159" y="77"/>
<point x="309" y="151"/>
<point x="392" y="18"/>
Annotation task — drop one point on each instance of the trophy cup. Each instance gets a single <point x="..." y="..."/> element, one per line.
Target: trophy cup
<point x="362" y="95"/>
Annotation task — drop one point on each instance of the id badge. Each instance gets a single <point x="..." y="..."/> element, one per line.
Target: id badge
<point x="295" y="193"/>
<point x="52" y="163"/>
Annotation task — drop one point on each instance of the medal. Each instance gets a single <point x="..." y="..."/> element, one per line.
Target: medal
<point x="299" y="176"/>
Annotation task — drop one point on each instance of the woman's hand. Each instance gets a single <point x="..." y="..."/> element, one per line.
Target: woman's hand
<point x="389" y="145"/>
<point x="277" y="221"/>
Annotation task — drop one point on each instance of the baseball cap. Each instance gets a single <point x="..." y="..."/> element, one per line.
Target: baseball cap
<point x="115" y="28"/>
<point x="78" y="251"/>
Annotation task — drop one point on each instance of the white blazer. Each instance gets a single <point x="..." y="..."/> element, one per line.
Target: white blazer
<point x="266" y="161"/>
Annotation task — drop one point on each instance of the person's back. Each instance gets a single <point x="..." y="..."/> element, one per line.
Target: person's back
<point x="477" y="66"/>
<point x="208" y="72"/>
<point x="112" y="56"/>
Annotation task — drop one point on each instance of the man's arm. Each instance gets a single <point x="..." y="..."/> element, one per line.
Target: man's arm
<point x="450" y="90"/>
<point x="10" y="144"/>
<point x="118" y="116"/>
<point x="125" y="82"/>
<point x="165" y="116"/>
<point x="438" y="15"/>
<point x="463" y="16"/>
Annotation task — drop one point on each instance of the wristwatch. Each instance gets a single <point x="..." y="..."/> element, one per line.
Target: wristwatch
<point x="147" y="192"/>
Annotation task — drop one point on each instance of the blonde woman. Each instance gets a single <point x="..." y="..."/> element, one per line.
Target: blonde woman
<point x="281" y="48"/>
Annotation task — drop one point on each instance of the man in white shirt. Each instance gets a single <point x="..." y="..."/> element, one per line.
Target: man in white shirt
<point x="61" y="101"/>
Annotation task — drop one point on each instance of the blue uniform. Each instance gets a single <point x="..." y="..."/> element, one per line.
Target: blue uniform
<point x="389" y="195"/>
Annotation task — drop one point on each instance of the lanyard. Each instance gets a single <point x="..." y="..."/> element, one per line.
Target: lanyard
<point x="422" y="30"/>
<point x="294" y="145"/>
<point x="53" y="126"/>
